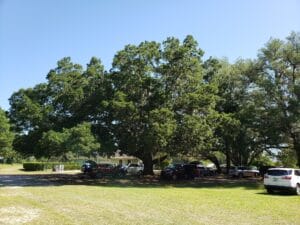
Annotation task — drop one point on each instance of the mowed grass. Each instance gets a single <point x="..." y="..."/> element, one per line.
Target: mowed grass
<point x="146" y="204"/>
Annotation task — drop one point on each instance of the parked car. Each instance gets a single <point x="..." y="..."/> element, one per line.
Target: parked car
<point x="190" y="171"/>
<point x="242" y="171"/>
<point x="202" y="170"/>
<point x="173" y="172"/>
<point x="88" y="166"/>
<point x="179" y="171"/>
<point x="134" y="169"/>
<point x="105" y="169"/>
<point x="282" y="179"/>
<point x="205" y="171"/>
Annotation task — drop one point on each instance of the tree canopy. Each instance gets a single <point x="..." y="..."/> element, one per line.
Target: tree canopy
<point x="163" y="99"/>
<point x="6" y="135"/>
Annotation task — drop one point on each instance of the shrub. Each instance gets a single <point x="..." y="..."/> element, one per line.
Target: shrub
<point x="38" y="166"/>
<point x="33" y="166"/>
<point x="71" y="166"/>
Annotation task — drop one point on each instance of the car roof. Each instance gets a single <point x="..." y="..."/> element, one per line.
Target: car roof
<point x="280" y="168"/>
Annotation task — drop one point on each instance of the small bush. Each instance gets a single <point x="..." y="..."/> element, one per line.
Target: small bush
<point x="38" y="166"/>
<point x="71" y="166"/>
<point x="33" y="166"/>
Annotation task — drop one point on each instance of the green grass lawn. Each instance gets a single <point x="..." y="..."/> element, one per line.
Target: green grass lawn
<point x="133" y="203"/>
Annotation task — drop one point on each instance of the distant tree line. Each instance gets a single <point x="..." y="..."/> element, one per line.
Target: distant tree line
<point x="163" y="99"/>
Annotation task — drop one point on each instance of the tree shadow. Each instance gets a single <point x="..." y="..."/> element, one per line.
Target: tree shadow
<point x="277" y="193"/>
<point x="125" y="182"/>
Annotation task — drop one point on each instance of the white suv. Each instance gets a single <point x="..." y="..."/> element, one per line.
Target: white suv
<point x="135" y="169"/>
<point x="282" y="179"/>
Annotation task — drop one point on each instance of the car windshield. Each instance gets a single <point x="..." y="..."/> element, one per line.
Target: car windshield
<point x="174" y="166"/>
<point x="170" y="167"/>
<point x="133" y="165"/>
<point x="279" y="172"/>
<point x="241" y="168"/>
<point x="89" y="162"/>
<point x="252" y="168"/>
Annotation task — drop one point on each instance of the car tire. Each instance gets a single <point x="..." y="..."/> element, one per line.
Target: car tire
<point x="297" y="189"/>
<point x="270" y="191"/>
<point x="120" y="174"/>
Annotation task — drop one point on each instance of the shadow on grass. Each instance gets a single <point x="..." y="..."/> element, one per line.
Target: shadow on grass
<point x="279" y="193"/>
<point x="126" y="182"/>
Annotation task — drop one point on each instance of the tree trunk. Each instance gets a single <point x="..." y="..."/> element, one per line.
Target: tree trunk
<point x="216" y="162"/>
<point x="214" y="159"/>
<point x="227" y="158"/>
<point x="148" y="164"/>
<point x="159" y="160"/>
<point x="297" y="150"/>
<point x="227" y="161"/>
<point x="296" y="146"/>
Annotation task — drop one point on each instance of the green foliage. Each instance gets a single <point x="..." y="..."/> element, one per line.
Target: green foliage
<point x="34" y="166"/>
<point x="263" y="160"/>
<point x="72" y="166"/>
<point x="67" y="99"/>
<point x="161" y="98"/>
<point x="6" y="136"/>
<point x="53" y="143"/>
<point x="287" y="158"/>
<point x="279" y="82"/>
<point x="160" y="101"/>
<point x="78" y="140"/>
<point x="39" y="166"/>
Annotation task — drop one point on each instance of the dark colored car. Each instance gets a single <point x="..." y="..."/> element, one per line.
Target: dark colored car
<point x="106" y="169"/>
<point x="204" y="171"/>
<point x="173" y="172"/>
<point x="179" y="171"/>
<point x="88" y="166"/>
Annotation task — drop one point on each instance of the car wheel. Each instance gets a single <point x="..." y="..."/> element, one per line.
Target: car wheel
<point x="298" y="189"/>
<point x="270" y="191"/>
<point x="120" y="175"/>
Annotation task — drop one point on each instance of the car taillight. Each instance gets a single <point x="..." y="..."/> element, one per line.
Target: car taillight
<point x="266" y="176"/>
<point x="287" y="177"/>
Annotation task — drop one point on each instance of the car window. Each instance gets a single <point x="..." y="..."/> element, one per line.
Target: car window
<point x="133" y="165"/>
<point x="177" y="166"/>
<point x="297" y="172"/>
<point x="252" y="168"/>
<point x="170" y="167"/>
<point x="279" y="172"/>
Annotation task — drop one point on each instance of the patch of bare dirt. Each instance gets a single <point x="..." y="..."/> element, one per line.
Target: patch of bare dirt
<point x="17" y="215"/>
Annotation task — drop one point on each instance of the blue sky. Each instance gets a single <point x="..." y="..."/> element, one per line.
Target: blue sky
<point x="35" y="34"/>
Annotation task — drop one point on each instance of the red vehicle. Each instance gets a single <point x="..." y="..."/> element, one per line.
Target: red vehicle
<point x="106" y="169"/>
